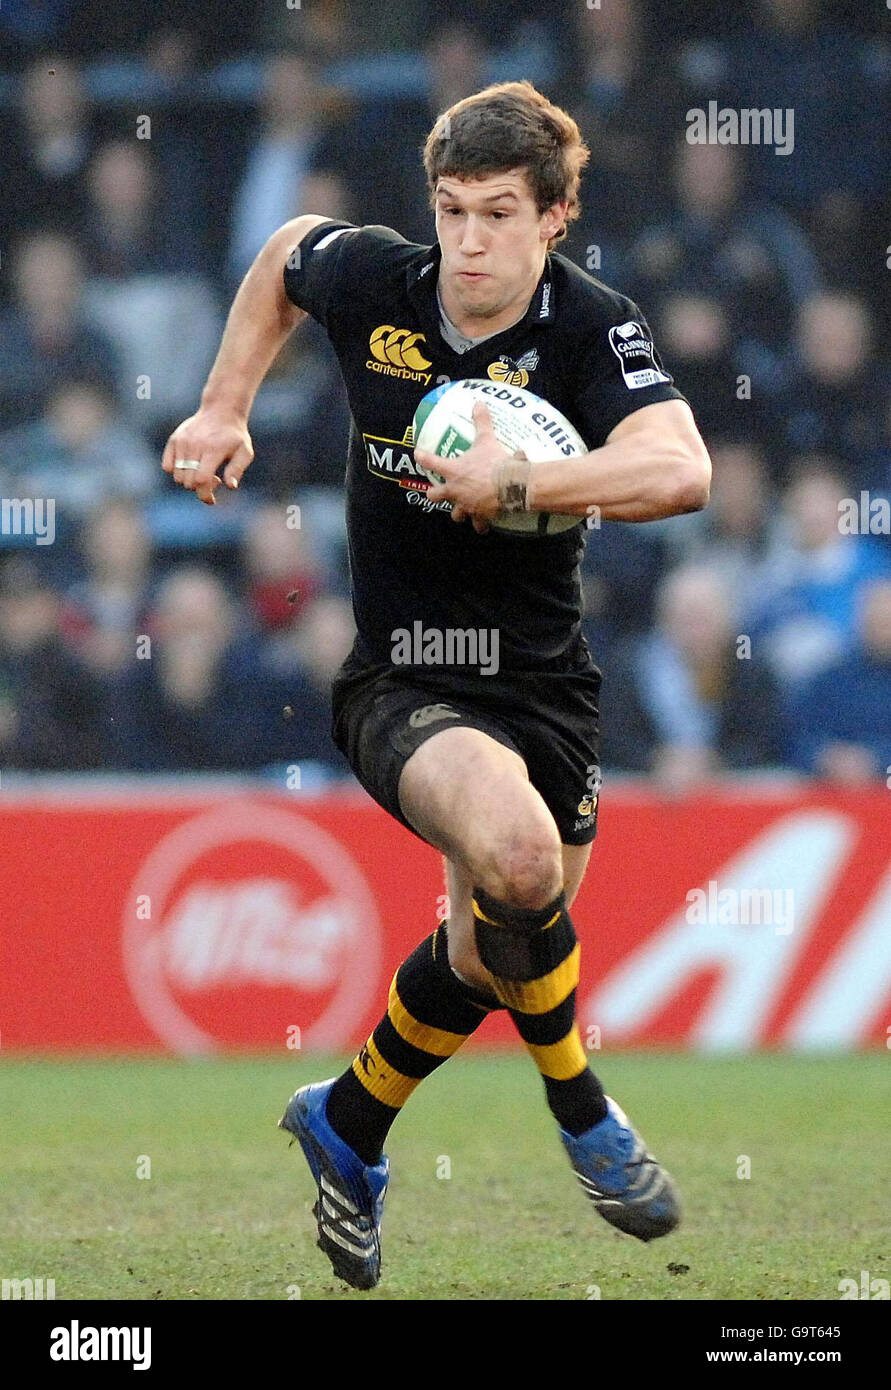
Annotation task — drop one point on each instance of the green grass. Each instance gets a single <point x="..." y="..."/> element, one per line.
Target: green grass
<point x="226" y="1211"/>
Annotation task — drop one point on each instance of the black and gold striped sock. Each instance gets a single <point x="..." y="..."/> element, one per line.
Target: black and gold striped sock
<point x="533" y="956"/>
<point x="430" y="1013"/>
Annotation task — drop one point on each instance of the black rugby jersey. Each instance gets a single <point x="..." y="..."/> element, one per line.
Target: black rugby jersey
<point x="580" y="345"/>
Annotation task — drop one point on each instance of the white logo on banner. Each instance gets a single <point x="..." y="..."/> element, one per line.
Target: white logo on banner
<point x="221" y="919"/>
<point x="802" y="854"/>
<point x="855" y="984"/>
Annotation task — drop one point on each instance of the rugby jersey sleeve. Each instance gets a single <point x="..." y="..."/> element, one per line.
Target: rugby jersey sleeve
<point x="334" y="265"/>
<point x="620" y="372"/>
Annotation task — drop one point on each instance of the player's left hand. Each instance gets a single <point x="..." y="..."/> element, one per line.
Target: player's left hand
<point x="470" y="480"/>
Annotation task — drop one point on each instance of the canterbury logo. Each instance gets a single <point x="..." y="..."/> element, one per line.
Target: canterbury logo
<point x="428" y="714"/>
<point x="396" y="347"/>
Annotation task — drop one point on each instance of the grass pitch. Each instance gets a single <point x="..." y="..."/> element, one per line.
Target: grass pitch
<point x="482" y="1202"/>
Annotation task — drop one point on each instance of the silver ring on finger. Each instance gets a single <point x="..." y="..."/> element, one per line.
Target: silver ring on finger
<point x="188" y="465"/>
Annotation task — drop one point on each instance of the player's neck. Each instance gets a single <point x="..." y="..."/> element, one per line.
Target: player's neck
<point x="480" y="326"/>
<point x="458" y="341"/>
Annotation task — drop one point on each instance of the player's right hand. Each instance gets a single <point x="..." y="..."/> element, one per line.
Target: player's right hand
<point x="211" y="438"/>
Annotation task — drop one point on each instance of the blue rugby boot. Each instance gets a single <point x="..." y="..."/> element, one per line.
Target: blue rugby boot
<point x="351" y="1193"/>
<point x="625" y="1183"/>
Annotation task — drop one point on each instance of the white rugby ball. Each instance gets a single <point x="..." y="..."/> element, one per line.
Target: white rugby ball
<point x="523" y="421"/>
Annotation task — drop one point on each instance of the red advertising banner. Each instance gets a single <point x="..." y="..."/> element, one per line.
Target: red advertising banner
<point x="195" y="921"/>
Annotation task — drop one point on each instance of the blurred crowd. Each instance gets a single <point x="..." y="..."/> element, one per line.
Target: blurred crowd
<point x="146" y="160"/>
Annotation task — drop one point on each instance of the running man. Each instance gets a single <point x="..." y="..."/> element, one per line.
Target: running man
<point x="497" y="769"/>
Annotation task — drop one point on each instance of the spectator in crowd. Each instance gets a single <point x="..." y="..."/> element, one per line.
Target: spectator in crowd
<point x="803" y="619"/>
<point x="619" y="75"/>
<point x="696" y="343"/>
<point x="282" y="573"/>
<point x="171" y="52"/>
<point x="719" y="241"/>
<point x="165" y="323"/>
<point x="195" y="134"/>
<point x="48" y="335"/>
<point x="836" y="401"/>
<point x="792" y="59"/>
<point x="27" y="29"/>
<point x="194" y="700"/>
<point x="302" y="663"/>
<point x="374" y="29"/>
<point x="79" y="453"/>
<point x="328" y="31"/>
<point x="48" y="703"/>
<point x="876" y="467"/>
<point x="300" y="419"/>
<point x="455" y="57"/>
<point x="217" y="31"/>
<point x="378" y="25"/>
<point x="128" y="226"/>
<point x="841" y="720"/>
<point x="288" y="150"/>
<point x="830" y="85"/>
<point x="687" y="700"/>
<point x="739" y="537"/>
<point x="621" y="568"/>
<point x="104" y="612"/>
<point x="46" y="149"/>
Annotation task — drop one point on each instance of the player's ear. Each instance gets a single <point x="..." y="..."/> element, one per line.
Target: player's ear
<point x="554" y="219"/>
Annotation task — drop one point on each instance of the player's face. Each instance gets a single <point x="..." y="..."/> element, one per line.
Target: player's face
<point x="494" y="242"/>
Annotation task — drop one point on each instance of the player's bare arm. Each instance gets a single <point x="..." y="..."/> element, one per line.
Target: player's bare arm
<point x="654" y="464"/>
<point x="260" y="321"/>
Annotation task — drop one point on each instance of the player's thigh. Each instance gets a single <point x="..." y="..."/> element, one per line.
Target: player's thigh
<point x="461" y="931"/>
<point x="470" y="797"/>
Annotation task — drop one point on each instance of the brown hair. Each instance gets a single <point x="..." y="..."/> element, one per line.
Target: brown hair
<point x="511" y="126"/>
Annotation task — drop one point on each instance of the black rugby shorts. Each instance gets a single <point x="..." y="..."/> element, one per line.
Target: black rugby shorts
<point x="549" y="716"/>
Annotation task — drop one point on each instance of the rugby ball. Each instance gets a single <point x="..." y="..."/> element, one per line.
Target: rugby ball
<point x="444" y="425"/>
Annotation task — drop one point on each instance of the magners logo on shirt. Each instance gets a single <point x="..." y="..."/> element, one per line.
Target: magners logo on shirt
<point x="395" y="352"/>
<point x="394" y="459"/>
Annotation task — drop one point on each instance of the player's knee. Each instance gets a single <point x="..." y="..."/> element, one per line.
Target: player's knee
<point x="526" y="869"/>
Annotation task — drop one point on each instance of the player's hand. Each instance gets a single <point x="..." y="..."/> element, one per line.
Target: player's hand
<point x="470" y="480"/>
<point x="211" y="437"/>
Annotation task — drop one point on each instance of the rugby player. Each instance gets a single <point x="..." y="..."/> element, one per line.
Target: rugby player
<point x="497" y="769"/>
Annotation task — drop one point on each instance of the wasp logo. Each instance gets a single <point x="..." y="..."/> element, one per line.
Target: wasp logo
<point x="514" y="373"/>
<point x="593" y="782"/>
<point x="395" y="352"/>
